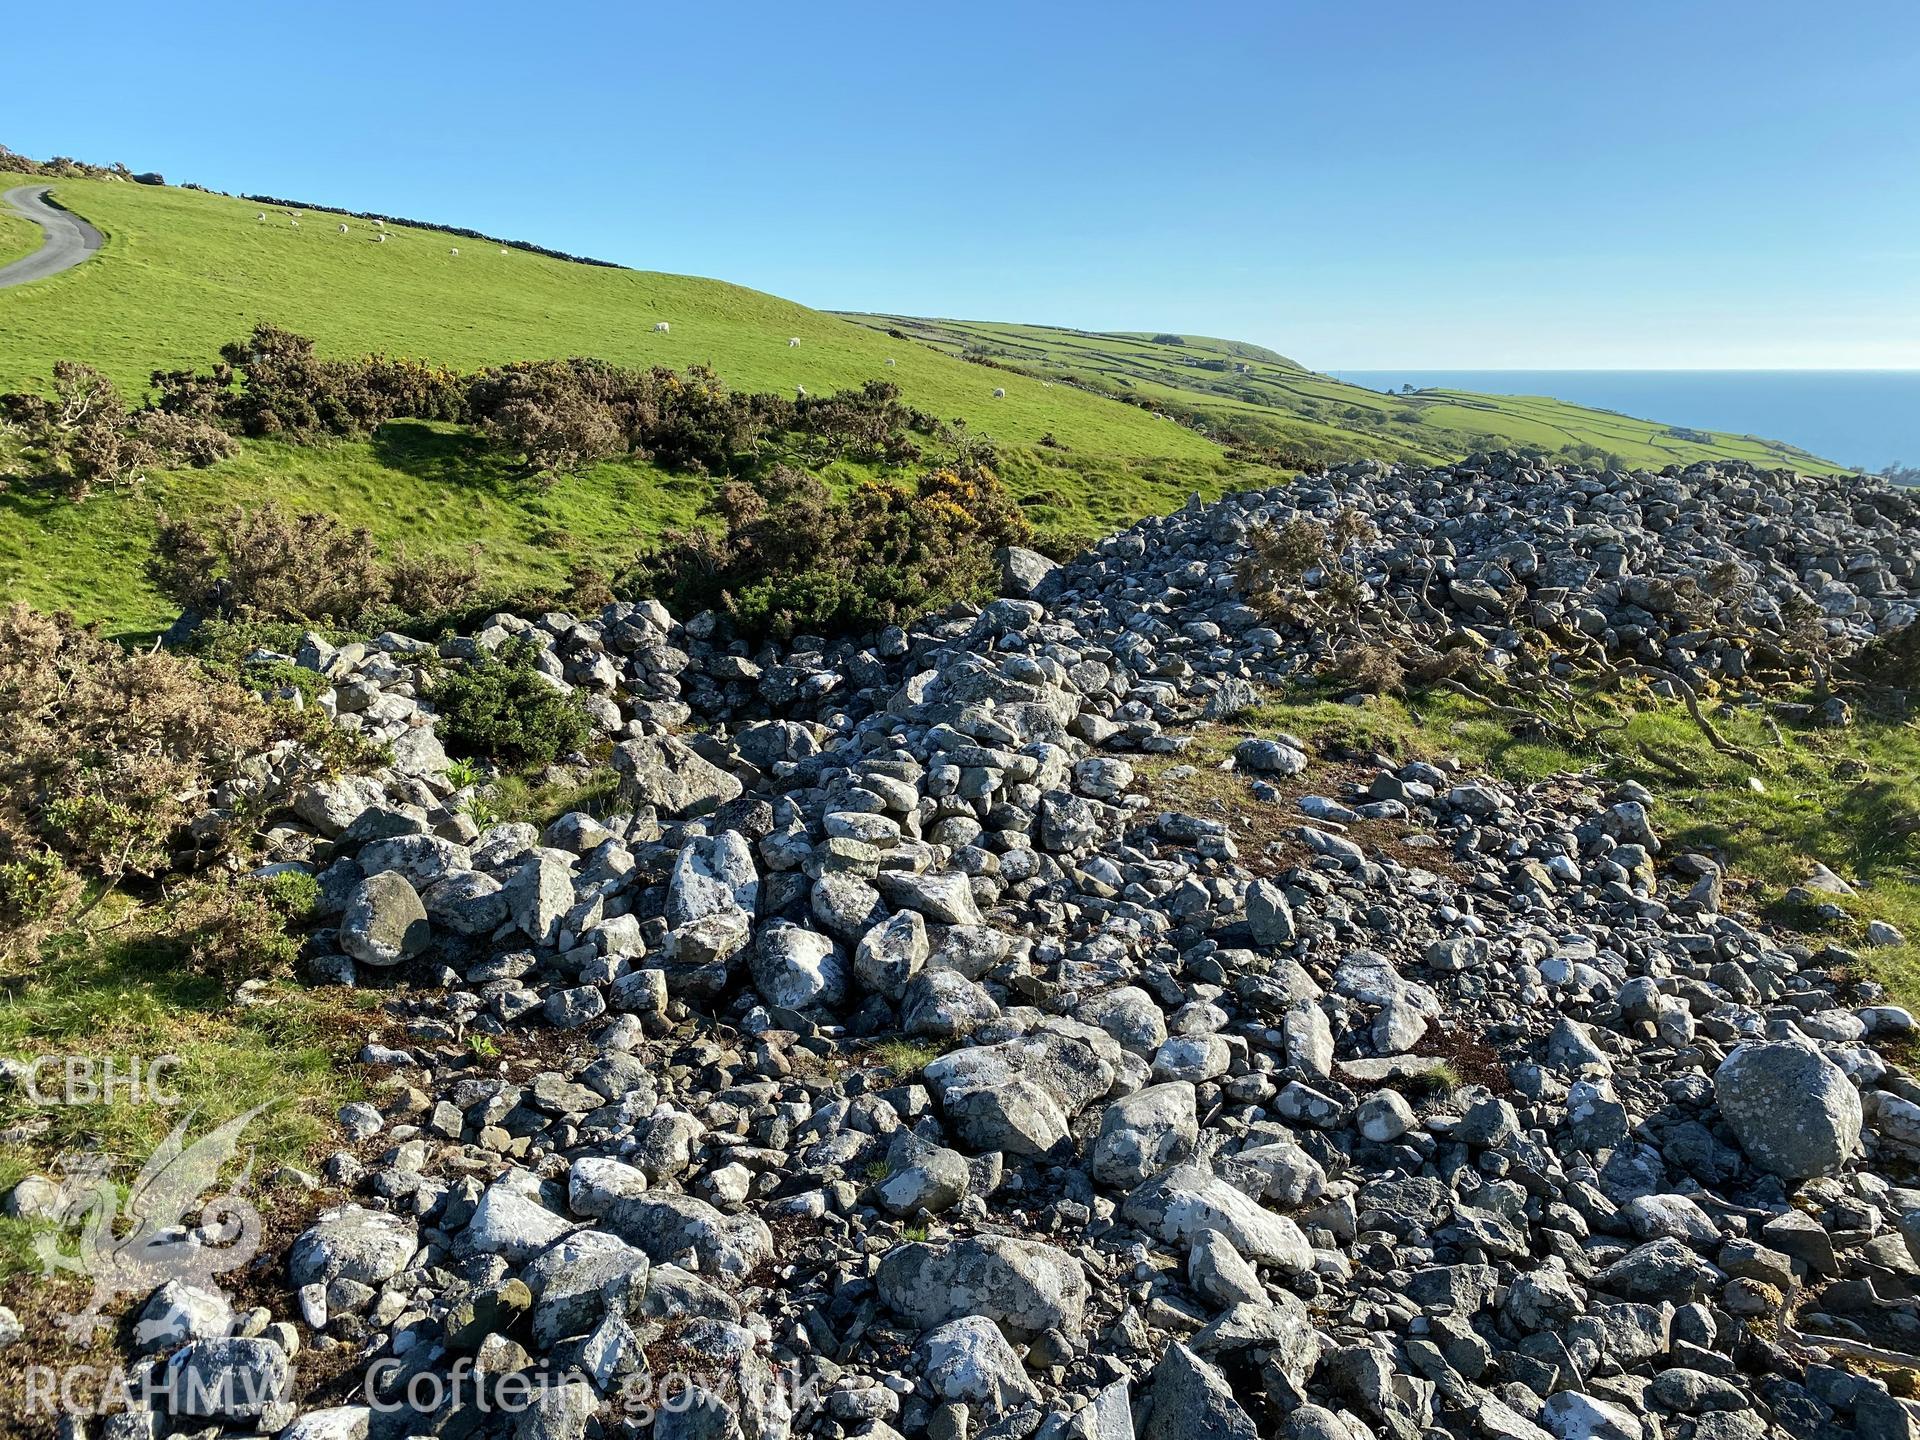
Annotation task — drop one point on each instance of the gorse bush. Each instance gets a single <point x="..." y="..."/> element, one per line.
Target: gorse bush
<point x="791" y="556"/>
<point x="557" y="416"/>
<point x="288" y="391"/>
<point x="233" y="929"/>
<point x="553" y="417"/>
<point x="270" y="565"/>
<point x="85" y="436"/>
<point x="107" y="755"/>
<point x="501" y="706"/>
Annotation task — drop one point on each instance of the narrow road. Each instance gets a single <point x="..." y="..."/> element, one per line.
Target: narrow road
<point x="69" y="238"/>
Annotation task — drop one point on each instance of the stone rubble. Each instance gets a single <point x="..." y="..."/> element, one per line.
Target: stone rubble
<point x="1436" y="1106"/>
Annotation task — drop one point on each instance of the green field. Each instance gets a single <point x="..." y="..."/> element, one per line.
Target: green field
<point x="184" y="271"/>
<point x="18" y="236"/>
<point x="1275" y="401"/>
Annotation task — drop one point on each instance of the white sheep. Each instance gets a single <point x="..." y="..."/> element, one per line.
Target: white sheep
<point x="799" y="392"/>
<point x="454" y="250"/>
<point x="343" y="229"/>
<point x="261" y="216"/>
<point x="379" y="239"/>
<point x="888" y="362"/>
<point x="503" y="249"/>
<point x="295" y="222"/>
<point x="379" y="224"/>
<point x="660" y="327"/>
<point x="794" y="343"/>
<point x="999" y="393"/>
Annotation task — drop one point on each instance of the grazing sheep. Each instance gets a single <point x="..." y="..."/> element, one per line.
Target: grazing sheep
<point x="379" y="224"/>
<point x="799" y="392"/>
<point x="793" y="343"/>
<point x="888" y="362"/>
<point x="454" y="250"/>
<point x="343" y="229"/>
<point x="379" y="239"/>
<point x="295" y="222"/>
<point x="261" y="216"/>
<point x="999" y="393"/>
<point x="660" y="327"/>
<point x="503" y="249"/>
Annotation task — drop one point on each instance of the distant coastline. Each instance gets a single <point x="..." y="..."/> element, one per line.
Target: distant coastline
<point x="1864" y="418"/>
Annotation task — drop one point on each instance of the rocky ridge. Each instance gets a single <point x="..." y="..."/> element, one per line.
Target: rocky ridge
<point x="1506" y="1127"/>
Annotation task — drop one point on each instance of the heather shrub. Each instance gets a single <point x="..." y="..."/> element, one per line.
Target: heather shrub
<point x="502" y="707"/>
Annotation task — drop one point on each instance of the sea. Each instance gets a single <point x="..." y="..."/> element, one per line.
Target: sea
<point x="1867" y="419"/>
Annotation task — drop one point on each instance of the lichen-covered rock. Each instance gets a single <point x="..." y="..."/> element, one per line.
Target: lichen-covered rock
<point x="1794" y="1111"/>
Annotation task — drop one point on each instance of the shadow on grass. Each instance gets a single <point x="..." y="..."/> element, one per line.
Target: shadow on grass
<point x="450" y="457"/>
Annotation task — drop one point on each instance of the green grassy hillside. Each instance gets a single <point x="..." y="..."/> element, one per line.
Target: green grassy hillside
<point x="1239" y="391"/>
<point x="183" y="272"/>
<point x="18" y="236"/>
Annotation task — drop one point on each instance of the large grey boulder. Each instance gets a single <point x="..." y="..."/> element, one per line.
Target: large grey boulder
<point x="798" y="968"/>
<point x="712" y="873"/>
<point x="230" y="1379"/>
<point x="1143" y="1133"/>
<point x="1269" y="915"/>
<point x="1188" y="1399"/>
<point x="178" y="1312"/>
<point x="539" y="895"/>
<point x="1189" y="1200"/>
<point x="1793" y="1110"/>
<point x="385" y="922"/>
<point x="350" y="1242"/>
<point x="330" y="806"/>
<point x="1130" y="1015"/>
<point x="891" y="953"/>
<point x="1023" y="1285"/>
<point x="1025" y="574"/>
<point x="923" y="1177"/>
<point x="969" y="1361"/>
<point x="666" y="1226"/>
<point x="509" y="1223"/>
<point x="944" y="1005"/>
<point x="1021" y="1095"/>
<point x="665" y="772"/>
<point x="945" y="899"/>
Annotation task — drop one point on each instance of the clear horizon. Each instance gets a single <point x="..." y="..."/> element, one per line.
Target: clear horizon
<point x="1719" y="186"/>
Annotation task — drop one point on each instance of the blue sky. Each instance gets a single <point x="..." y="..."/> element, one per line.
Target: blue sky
<point x="1387" y="185"/>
